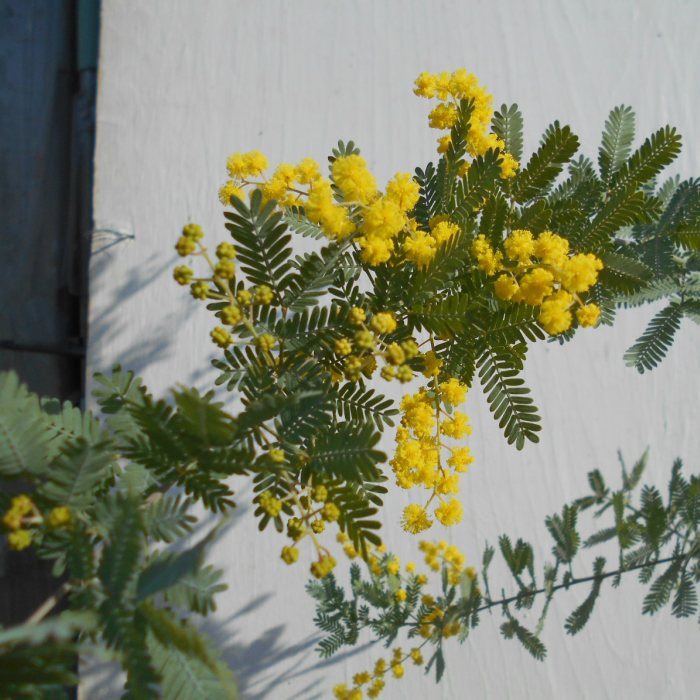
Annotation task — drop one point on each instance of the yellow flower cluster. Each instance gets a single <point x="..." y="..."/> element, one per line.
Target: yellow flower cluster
<point x="542" y="273"/>
<point x="360" y="353"/>
<point x="23" y="512"/>
<point x="449" y="89"/>
<point x="429" y="418"/>
<point x="375" y="680"/>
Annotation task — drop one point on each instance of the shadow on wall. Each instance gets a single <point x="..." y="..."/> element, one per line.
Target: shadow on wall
<point x="254" y="664"/>
<point x="109" y="325"/>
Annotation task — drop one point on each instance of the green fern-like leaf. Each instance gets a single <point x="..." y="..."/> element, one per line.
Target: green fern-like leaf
<point x="579" y="617"/>
<point x="356" y="404"/>
<point x="648" y="161"/>
<point x="624" y="274"/>
<point x="653" y="344"/>
<point x="296" y="221"/>
<point x="621" y="209"/>
<point x="506" y="395"/>
<point x="617" y="143"/>
<point x="557" y="148"/>
<point x="507" y="124"/>
<point x="532" y="644"/>
<point x="347" y="452"/>
<point x="262" y="242"/>
<point x="78" y="473"/>
<point x="24" y="436"/>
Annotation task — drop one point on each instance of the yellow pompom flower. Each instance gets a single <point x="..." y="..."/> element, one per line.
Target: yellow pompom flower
<point x="383" y="218"/>
<point x="580" y="272"/>
<point x="318" y="526"/>
<point x="588" y="315"/>
<point x="266" y="342"/>
<point x="520" y="245"/>
<point x="350" y="551"/>
<point x="228" y="190"/>
<point x="395" y="354"/>
<point x="375" y="250"/>
<point x="388" y="373"/>
<point x="506" y="286"/>
<point x="364" y="340"/>
<point x="199" y="290"/>
<point x="461" y="459"/>
<point x="263" y="295"/>
<point x="420" y="248"/>
<point x="404" y="191"/>
<point x="458" y="426"/>
<point x="319" y="494"/>
<point x="405" y="374"/>
<point x="410" y="567"/>
<point x="425" y="85"/>
<point x="453" y="391"/>
<point x="290" y="555"/>
<point x="59" y="517"/>
<point x="19" y="540"/>
<point x="276" y="455"/>
<point x="193" y="231"/>
<point x="555" y="317"/>
<point x="351" y="175"/>
<point x="417" y="657"/>
<point x="383" y="322"/>
<point x="231" y="315"/>
<point x="536" y="285"/>
<point x="244" y="297"/>
<point x="442" y="85"/>
<point x="225" y="251"/>
<point x="551" y="249"/>
<point x="444" y="231"/>
<point x="356" y="316"/>
<point x="415" y="519"/>
<point x="185" y="246"/>
<point x="183" y="275"/>
<point x="432" y="364"/>
<point x="307" y="171"/>
<point x="444" y="116"/>
<point x="225" y="269"/>
<point x="343" y="347"/>
<point x="400" y="595"/>
<point x="444" y="143"/>
<point x="255" y="163"/>
<point x="449" y="513"/>
<point x="330" y="512"/>
<point x="509" y="166"/>
<point x="362" y="678"/>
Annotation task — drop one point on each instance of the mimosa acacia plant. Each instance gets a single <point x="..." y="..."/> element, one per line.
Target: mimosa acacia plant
<point x="439" y="280"/>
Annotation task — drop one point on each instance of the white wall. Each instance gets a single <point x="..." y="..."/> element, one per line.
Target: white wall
<point x="184" y="83"/>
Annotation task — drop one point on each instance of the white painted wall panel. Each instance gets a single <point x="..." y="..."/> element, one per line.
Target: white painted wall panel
<point x="185" y="83"/>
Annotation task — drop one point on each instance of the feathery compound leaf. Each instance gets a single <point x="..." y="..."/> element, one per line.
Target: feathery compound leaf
<point x="493" y="218"/>
<point x="262" y="242"/>
<point x="184" y="674"/>
<point x="653" y="345"/>
<point x="122" y="552"/>
<point x="347" y="452"/>
<point x="654" y="155"/>
<point x="578" y="619"/>
<point x="508" y="125"/>
<point x="472" y="189"/>
<point x="23" y="433"/>
<point x="513" y="628"/>
<point x="296" y="220"/>
<point x="122" y="391"/>
<point x="624" y="274"/>
<point x="557" y="148"/>
<point x="563" y="529"/>
<point x="66" y="422"/>
<point x="621" y="209"/>
<point x="617" y="142"/>
<point x="685" y="602"/>
<point x="354" y="403"/>
<point x="78" y="473"/>
<point x="506" y="395"/>
<point x="660" y="591"/>
<point x="166" y="519"/>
